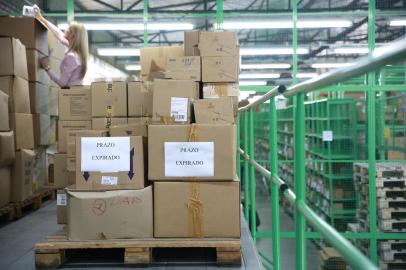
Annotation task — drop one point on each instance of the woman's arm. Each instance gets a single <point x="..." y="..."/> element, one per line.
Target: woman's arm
<point x="51" y="27"/>
<point x="68" y="66"/>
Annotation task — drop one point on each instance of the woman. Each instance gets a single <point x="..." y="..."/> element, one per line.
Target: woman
<point x="74" y="65"/>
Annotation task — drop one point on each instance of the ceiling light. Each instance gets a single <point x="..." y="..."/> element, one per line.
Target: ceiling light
<point x="259" y="76"/>
<point x="331" y="65"/>
<point x="118" y="51"/>
<point x="272" y="51"/>
<point x="397" y="22"/>
<point x="322" y="23"/>
<point x="351" y="50"/>
<point x="133" y="67"/>
<point x="265" y="66"/>
<point x="252" y="83"/>
<point x="132" y="26"/>
<point x="248" y="92"/>
<point x="306" y="75"/>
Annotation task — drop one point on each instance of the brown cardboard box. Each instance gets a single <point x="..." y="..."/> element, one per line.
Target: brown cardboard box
<point x="201" y="209"/>
<point x="22" y="175"/>
<point x="60" y="171"/>
<point x="52" y="136"/>
<point x="64" y="127"/>
<point x="109" y="99"/>
<point x="215" y="90"/>
<point x="214" y="111"/>
<point x="18" y="93"/>
<point x="13" y="58"/>
<point x="30" y="31"/>
<point x="75" y="103"/>
<point x="191" y="43"/>
<point x="40" y="169"/>
<point x="39" y="98"/>
<point x="138" y="129"/>
<point x="61" y="207"/>
<point x="42" y="129"/>
<point x="7" y="148"/>
<point x="139" y="99"/>
<point x="4" y="117"/>
<point x="73" y="134"/>
<point x="5" y="186"/>
<point x="71" y="164"/>
<point x="35" y="72"/>
<point x="106" y="123"/>
<point x="97" y="180"/>
<point x="139" y="120"/>
<point x="118" y="214"/>
<point x="219" y="69"/>
<point x="183" y="68"/>
<point x="56" y="49"/>
<point x="216" y="164"/>
<point x="54" y="65"/>
<point x="53" y="100"/>
<point x="164" y="106"/>
<point x="154" y="59"/>
<point x="23" y="127"/>
<point x="218" y="44"/>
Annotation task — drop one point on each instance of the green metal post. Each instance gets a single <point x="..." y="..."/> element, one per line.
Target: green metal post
<point x="252" y="176"/>
<point x="70" y="10"/>
<point x="219" y="15"/>
<point x="145" y="19"/>
<point x="294" y="42"/>
<point x="273" y="142"/>
<point x="372" y="136"/>
<point x="246" y="171"/>
<point x="238" y="147"/>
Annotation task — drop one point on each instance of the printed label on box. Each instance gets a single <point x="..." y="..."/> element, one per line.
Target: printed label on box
<point x="61" y="200"/>
<point x="109" y="180"/>
<point x="179" y="109"/>
<point x="105" y="154"/>
<point x="189" y="159"/>
<point x="327" y="135"/>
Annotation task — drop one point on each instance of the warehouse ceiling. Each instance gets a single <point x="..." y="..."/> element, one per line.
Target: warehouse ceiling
<point x="320" y="42"/>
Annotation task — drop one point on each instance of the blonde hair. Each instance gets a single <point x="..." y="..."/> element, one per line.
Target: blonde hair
<point x="79" y="44"/>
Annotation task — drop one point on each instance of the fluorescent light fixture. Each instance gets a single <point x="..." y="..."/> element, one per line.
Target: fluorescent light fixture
<point x="351" y="50"/>
<point x="272" y="51"/>
<point x="322" y="23"/>
<point x="118" y="51"/>
<point x="331" y="65"/>
<point x="132" y="26"/>
<point x="265" y="66"/>
<point x="259" y="76"/>
<point x="248" y="92"/>
<point x="398" y="22"/>
<point x="133" y="67"/>
<point x="252" y="83"/>
<point x="306" y="75"/>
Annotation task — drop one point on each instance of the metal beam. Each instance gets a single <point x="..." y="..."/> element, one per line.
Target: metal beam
<point x="133" y="5"/>
<point x="178" y="5"/>
<point x="106" y="5"/>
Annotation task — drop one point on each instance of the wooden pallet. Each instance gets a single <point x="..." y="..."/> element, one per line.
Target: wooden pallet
<point x="34" y="202"/>
<point x="394" y="265"/>
<point x="392" y="245"/>
<point x="51" y="252"/>
<point x="7" y="212"/>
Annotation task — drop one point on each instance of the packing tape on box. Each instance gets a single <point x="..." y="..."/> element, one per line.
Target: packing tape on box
<point x="192" y="133"/>
<point x="195" y="212"/>
<point x="221" y="90"/>
<point x="109" y="110"/>
<point x="167" y="120"/>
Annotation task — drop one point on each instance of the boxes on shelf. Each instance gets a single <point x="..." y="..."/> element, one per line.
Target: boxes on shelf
<point x="13" y="58"/>
<point x="218" y="44"/>
<point x="118" y="214"/>
<point x="75" y="103"/>
<point x="139" y="120"/>
<point x="4" y="115"/>
<point x="220" y="69"/>
<point x="216" y="90"/>
<point x="183" y="152"/>
<point x="39" y="98"/>
<point x="153" y="60"/>
<point x="42" y="129"/>
<point x="7" y="148"/>
<point x="139" y="99"/>
<point x="109" y="99"/>
<point x="18" y="93"/>
<point x="62" y="178"/>
<point x="106" y="123"/>
<point x="22" y="175"/>
<point x="107" y="163"/>
<point x="201" y="209"/>
<point x="5" y="186"/>
<point x="23" y="127"/>
<point x="40" y="169"/>
<point x="53" y="100"/>
<point x="61" y="207"/>
<point x="172" y="100"/>
<point x="35" y="72"/>
<point x="137" y="129"/>
<point x="183" y="68"/>
<point x="64" y="127"/>
<point x="214" y="111"/>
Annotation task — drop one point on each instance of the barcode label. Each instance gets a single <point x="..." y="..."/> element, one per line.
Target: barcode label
<point x="179" y="106"/>
<point x="61" y="199"/>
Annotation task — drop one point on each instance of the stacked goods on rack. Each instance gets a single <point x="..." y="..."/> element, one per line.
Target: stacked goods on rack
<point x="330" y="259"/>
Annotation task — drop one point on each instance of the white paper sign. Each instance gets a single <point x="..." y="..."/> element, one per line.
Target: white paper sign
<point x="105" y="154"/>
<point x="109" y="180"/>
<point x="189" y="159"/>
<point x="179" y="109"/>
<point x="327" y="135"/>
<point x="61" y="199"/>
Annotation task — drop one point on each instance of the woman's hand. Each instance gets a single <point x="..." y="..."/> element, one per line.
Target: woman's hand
<point x="45" y="63"/>
<point x="37" y="12"/>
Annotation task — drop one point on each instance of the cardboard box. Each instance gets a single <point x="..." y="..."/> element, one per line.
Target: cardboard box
<point x="61" y="207"/>
<point x="60" y="171"/>
<point x="30" y="31"/>
<point x="71" y="164"/>
<point x="191" y="43"/>
<point x="23" y="127"/>
<point x="4" y="117"/>
<point x="220" y="69"/>
<point x="53" y="100"/>
<point x="95" y="179"/>
<point x="56" y="49"/>
<point x="52" y="136"/>
<point x="7" y="148"/>
<point x="183" y="68"/>
<point x="139" y="120"/>
<point x="64" y="127"/>
<point x="42" y="129"/>
<point x="215" y="90"/>
<point x="139" y="99"/>
<point x="54" y="65"/>
<point x="218" y="44"/>
<point x="18" y="93"/>
<point x="40" y="171"/>
<point x="22" y="175"/>
<point x="119" y="214"/>
<point x="5" y="186"/>
<point x="39" y="98"/>
<point x="137" y="129"/>
<point x="35" y="72"/>
<point x="212" y="159"/>
<point x="106" y="123"/>
<point x="154" y="59"/>
<point x="109" y="99"/>
<point x="166" y="106"/>
<point x="214" y="111"/>
<point x="201" y="209"/>
<point x="73" y="134"/>
<point x="75" y="104"/>
<point x="13" y="58"/>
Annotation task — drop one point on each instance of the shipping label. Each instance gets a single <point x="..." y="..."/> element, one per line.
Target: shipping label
<point x="61" y="200"/>
<point x="179" y="108"/>
<point x="189" y="159"/>
<point x="327" y="135"/>
<point x="109" y="180"/>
